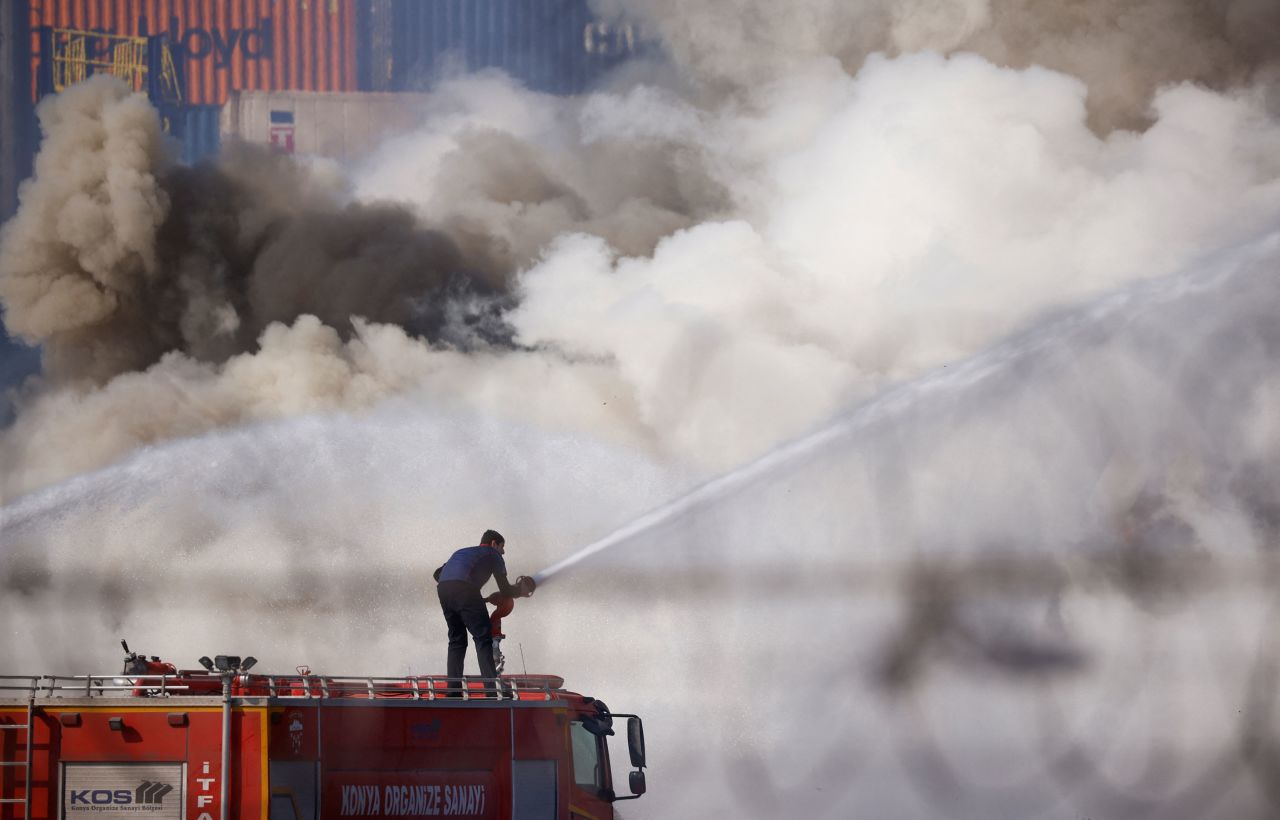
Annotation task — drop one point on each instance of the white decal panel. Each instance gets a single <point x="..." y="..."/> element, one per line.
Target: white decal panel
<point x="122" y="790"/>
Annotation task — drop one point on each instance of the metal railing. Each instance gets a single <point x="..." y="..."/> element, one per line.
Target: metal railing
<point x="74" y="55"/>
<point x="72" y="60"/>
<point x="326" y="687"/>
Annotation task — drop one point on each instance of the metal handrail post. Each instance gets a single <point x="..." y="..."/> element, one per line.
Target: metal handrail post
<point x="226" y="745"/>
<point x="31" y="727"/>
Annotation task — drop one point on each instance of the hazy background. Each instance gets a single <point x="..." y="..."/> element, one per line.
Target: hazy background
<point x="988" y="286"/>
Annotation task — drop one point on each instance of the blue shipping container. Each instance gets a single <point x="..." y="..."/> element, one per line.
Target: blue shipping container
<point x="19" y="134"/>
<point x="17" y="362"/>
<point x="557" y="46"/>
<point x="196" y="127"/>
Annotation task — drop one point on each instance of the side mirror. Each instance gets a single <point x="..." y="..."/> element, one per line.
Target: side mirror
<point x="635" y="745"/>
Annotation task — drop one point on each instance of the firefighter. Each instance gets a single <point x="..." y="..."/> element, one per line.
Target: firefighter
<point x="459" y="582"/>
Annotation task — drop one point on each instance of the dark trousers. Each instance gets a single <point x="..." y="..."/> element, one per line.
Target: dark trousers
<point x="464" y="612"/>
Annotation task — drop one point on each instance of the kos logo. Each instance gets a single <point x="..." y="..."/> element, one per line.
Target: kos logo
<point x="198" y="43"/>
<point x="147" y="793"/>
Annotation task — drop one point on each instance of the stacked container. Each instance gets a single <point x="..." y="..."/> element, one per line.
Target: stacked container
<point x="222" y="49"/>
<point x="557" y="46"/>
<point x="17" y="120"/>
<point x="227" y="45"/>
<point x="217" y="46"/>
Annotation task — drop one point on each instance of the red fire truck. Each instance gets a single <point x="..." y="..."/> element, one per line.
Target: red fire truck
<point x="219" y="743"/>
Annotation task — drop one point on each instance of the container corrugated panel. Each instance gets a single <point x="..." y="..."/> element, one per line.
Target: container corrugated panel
<point x="335" y="125"/>
<point x="198" y="130"/>
<point x="558" y="46"/>
<point x="17" y="362"/>
<point x="18" y="132"/>
<point x="224" y="46"/>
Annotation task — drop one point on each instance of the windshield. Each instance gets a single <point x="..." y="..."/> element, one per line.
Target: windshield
<point x="588" y="763"/>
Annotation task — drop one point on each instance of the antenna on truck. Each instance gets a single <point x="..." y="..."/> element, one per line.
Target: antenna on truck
<point x="524" y="670"/>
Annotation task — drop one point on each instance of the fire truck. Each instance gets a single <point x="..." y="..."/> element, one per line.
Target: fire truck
<point x="221" y="743"/>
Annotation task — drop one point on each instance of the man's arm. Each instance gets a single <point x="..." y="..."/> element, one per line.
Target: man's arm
<point x="436" y="574"/>
<point x="504" y="587"/>
<point x="522" y="588"/>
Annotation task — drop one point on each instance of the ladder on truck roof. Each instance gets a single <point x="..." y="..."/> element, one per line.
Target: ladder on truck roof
<point x="25" y="763"/>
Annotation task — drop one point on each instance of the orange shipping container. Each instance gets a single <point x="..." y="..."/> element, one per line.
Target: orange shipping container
<point x="225" y="45"/>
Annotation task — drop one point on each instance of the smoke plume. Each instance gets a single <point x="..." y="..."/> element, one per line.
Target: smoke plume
<point x="1124" y="52"/>
<point x="118" y="256"/>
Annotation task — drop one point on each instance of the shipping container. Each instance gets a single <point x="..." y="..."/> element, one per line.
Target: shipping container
<point x="17" y="114"/>
<point x="340" y="126"/>
<point x="217" y="47"/>
<point x="17" y="363"/>
<point x="557" y="46"/>
<point x="197" y="130"/>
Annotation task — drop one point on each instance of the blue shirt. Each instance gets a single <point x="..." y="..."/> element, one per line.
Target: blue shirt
<point x="475" y="565"/>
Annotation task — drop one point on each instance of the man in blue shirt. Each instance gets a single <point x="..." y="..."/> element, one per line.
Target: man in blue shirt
<point x="460" y="580"/>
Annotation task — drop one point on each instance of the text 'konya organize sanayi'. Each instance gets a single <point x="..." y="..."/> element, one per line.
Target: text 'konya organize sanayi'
<point x="412" y="801"/>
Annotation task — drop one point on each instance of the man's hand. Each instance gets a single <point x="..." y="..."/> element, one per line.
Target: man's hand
<point x="525" y="586"/>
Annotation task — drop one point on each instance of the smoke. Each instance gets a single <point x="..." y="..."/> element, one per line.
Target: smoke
<point x="718" y="277"/>
<point x="996" y="554"/>
<point x="1123" y="52"/>
<point x="516" y="170"/>
<point x="148" y="334"/>
<point x="1010" y="300"/>
<point x="86" y="234"/>
<point x="118" y="256"/>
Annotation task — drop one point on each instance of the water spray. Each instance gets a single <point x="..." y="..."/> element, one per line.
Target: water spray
<point x="724" y="485"/>
<point x="1080" y="326"/>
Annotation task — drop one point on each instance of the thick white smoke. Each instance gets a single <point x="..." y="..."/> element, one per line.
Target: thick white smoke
<point x="985" y="594"/>
<point x="1123" y="52"/>
<point x="854" y="247"/>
